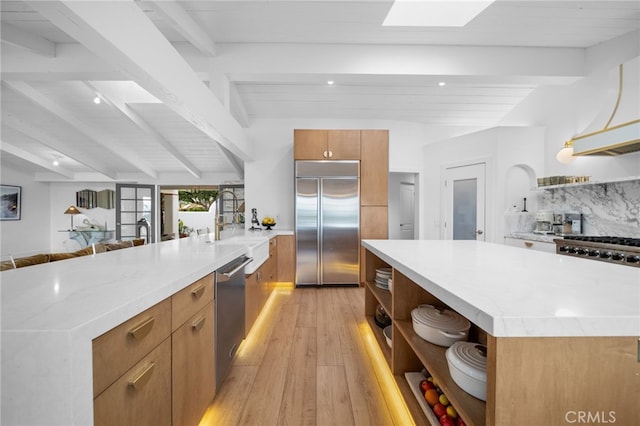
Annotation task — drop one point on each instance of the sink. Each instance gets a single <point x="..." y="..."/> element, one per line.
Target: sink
<point x="257" y="248"/>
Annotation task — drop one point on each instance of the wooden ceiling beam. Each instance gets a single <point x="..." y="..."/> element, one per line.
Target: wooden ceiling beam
<point x="33" y="159"/>
<point x="90" y="132"/>
<point x="182" y="22"/>
<point x="121" y="34"/>
<point x="114" y="100"/>
<point x="35" y="133"/>
<point x="24" y="40"/>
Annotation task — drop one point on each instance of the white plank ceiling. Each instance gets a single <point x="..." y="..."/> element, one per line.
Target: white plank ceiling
<point x="180" y="81"/>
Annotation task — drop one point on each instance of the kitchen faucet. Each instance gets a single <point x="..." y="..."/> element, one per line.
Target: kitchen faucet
<point x="219" y="219"/>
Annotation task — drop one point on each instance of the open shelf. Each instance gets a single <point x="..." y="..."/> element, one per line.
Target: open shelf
<point x="412" y="404"/>
<point x="590" y="183"/>
<point x="433" y="358"/>
<point x="383" y="296"/>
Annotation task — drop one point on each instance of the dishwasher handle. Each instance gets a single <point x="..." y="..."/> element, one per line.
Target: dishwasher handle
<point x="226" y="276"/>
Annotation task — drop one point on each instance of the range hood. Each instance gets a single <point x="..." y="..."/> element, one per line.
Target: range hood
<point x="616" y="140"/>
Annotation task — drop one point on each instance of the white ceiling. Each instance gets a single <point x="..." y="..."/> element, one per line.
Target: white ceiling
<point x="178" y="101"/>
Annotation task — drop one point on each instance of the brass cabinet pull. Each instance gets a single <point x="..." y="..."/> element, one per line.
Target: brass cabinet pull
<point x="198" y="324"/>
<point x="142" y="378"/>
<point x="198" y="292"/>
<point x="528" y="243"/>
<point x="140" y="331"/>
<point x="330" y="154"/>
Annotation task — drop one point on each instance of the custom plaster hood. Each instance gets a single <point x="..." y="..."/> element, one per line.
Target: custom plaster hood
<point x="617" y="140"/>
<point x="611" y="140"/>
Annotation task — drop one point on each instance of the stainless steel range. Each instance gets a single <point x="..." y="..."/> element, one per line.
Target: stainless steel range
<point x="619" y="250"/>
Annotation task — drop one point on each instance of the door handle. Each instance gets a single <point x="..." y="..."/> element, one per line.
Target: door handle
<point x="479" y="232"/>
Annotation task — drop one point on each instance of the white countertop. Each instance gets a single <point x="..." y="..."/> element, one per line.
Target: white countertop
<point x="510" y="292"/>
<point x="51" y="312"/>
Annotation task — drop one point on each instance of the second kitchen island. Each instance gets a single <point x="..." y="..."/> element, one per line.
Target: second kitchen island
<point x="561" y="333"/>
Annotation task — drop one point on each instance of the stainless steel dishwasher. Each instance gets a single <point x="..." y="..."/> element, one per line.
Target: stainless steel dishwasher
<point x="229" y="301"/>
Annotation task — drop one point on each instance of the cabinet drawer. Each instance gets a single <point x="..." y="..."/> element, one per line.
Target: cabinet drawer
<point x="532" y="245"/>
<point x="142" y="396"/>
<point x="119" y="349"/>
<point x="193" y="367"/>
<point x="190" y="300"/>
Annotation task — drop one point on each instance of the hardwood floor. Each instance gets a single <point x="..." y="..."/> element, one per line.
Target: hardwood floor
<point x="310" y="359"/>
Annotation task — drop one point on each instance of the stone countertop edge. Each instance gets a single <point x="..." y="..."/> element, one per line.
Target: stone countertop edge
<point x="510" y="292"/>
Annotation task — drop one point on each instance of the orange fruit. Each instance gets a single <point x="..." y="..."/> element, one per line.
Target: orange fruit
<point x="431" y="395"/>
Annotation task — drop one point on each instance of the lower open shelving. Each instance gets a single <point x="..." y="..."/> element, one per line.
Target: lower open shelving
<point x="413" y="351"/>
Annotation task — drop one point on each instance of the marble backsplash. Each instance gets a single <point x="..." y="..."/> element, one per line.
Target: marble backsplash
<point x="607" y="209"/>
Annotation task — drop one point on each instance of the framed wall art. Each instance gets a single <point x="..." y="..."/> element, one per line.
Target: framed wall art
<point x="10" y="202"/>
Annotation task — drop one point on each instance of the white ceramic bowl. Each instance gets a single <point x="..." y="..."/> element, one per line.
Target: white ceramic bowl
<point x="387" y="334"/>
<point x="468" y="367"/>
<point x="442" y="327"/>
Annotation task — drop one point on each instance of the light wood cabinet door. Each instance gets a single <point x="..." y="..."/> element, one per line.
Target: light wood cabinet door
<point x="141" y="396"/>
<point x="273" y="261"/>
<point x="190" y="300"/>
<point x="193" y="367"/>
<point x="286" y="258"/>
<point x="326" y="144"/>
<point x="343" y="145"/>
<point x="310" y="144"/>
<point x="121" y="347"/>
<point x="252" y="300"/>
<point x="373" y="226"/>
<point x="374" y="167"/>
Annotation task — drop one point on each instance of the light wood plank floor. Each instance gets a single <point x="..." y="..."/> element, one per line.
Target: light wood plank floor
<point x="308" y="361"/>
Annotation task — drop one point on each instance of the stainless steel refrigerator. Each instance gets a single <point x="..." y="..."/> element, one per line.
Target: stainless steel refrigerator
<point x="327" y="222"/>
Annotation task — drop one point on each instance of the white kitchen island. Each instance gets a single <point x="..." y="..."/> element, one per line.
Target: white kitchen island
<point x="52" y="312"/>
<point x="561" y="332"/>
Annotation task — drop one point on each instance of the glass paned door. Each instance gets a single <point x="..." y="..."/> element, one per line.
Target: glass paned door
<point x="464" y="202"/>
<point x="135" y="204"/>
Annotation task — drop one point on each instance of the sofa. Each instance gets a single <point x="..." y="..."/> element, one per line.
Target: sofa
<point x="36" y="259"/>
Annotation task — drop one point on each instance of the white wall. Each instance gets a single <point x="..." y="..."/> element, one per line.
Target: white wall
<point x="503" y="149"/>
<point x="269" y="179"/>
<point x="30" y="234"/>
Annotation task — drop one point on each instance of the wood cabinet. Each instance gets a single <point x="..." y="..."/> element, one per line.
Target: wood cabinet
<point x="141" y="396"/>
<point x="132" y="370"/>
<point x="373" y="226"/>
<point x="531" y="381"/>
<point x="119" y="349"/>
<point x="374" y="167"/>
<point x="193" y="351"/>
<point x="193" y="367"/>
<point x="286" y="258"/>
<point x="371" y="147"/>
<point x="259" y="285"/>
<point x="252" y="299"/>
<point x="326" y="144"/>
<point x="158" y="368"/>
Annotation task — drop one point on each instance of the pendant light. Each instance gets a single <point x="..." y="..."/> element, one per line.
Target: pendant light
<point x="565" y="155"/>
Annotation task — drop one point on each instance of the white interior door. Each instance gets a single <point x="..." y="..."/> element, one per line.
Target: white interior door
<point x="464" y="203"/>
<point x="407" y="210"/>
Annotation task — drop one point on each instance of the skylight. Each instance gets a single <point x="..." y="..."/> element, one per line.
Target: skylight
<point x="434" y="13"/>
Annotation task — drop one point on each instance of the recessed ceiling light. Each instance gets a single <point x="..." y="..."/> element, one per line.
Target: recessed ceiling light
<point x="442" y="83"/>
<point x="434" y="13"/>
<point x="56" y="162"/>
<point x="331" y="82"/>
<point x="97" y="100"/>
